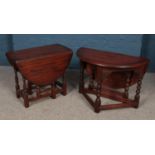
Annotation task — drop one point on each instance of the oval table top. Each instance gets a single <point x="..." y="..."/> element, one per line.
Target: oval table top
<point x="36" y="52"/>
<point x="110" y="59"/>
<point x="41" y="65"/>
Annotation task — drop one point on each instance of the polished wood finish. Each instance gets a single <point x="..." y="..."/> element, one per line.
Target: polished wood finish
<point x="42" y="69"/>
<point x="110" y="75"/>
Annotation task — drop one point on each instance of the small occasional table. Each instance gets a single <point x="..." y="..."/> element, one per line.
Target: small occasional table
<point x="42" y="69"/>
<point x="110" y="75"/>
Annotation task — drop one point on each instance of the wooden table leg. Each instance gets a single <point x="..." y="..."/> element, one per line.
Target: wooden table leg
<point x="53" y="94"/>
<point x="25" y="94"/>
<point x="98" y="97"/>
<point x="17" y="84"/>
<point x="64" y="87"/>
<point x="127" y="85"/>
<point x="138" y="91"/>
<point x="99" y="81"/>
<point x="38" y="91"/>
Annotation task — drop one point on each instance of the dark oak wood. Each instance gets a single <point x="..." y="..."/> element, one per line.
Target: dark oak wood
<point x="40" y="67"/>
<point x="109" y="73"/>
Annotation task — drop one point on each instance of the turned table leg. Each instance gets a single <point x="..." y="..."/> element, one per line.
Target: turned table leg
<point x="17" y="84"/>
<point x="127" y="85"/>
<point x="81" y="84"/>
<point x="53" y="94"/>
<point x="98" y="97"/>
<point x="38" y="91"/>
<point x="138" y="91"/>
<point x="25" y="94"/>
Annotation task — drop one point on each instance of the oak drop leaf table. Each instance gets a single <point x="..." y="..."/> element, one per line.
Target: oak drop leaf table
<point x="42" y="69"/>
<point x="108" y="73"/>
